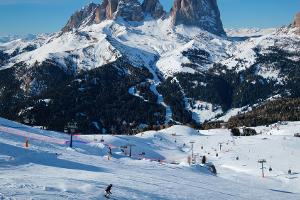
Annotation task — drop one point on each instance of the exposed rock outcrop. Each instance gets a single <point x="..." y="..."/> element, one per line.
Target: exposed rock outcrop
<point x="130" y="10"/>
<point x="110" y="8"/>
<point x="154" y="8"/>
<point x="87" y="15"/>
<point x="201" y="13"/>
<point x="297" y="21"/>
<point x="204" y="14"/>
<point x="296" y="24"/>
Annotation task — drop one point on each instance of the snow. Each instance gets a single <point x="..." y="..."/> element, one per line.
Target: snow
<point x="160" y="100"/>
<point x="28" y="37"/>
<point x="269" y="73"/>
<point x="157" y="46"/>
<point x="204" y="111"/>
<point x="50" y="170"/>
<point x="230" y="113"/>
<point x="249" y="32"/>
<point x="133" y="91"/>
<point x="153" y="44"/>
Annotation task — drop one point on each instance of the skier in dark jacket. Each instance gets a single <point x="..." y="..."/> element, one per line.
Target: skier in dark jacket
<point x="108" y="190"/>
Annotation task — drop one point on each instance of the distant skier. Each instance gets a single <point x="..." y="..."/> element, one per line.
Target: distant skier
<point x="213" y="169"/>
<point x="203" y="161"/>
<point x="110" y="150"/>
<point x="108" y="191"/>
<point x="270" y="169"/>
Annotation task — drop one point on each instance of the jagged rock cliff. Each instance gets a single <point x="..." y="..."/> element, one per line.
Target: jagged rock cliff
<point x="154" y="8"/>
<point x="297" y="20"/>
<point x="129" y="10"/>
<point x="202" y="13"/>
<point x="296" y="24"/>
<point x="88" y="15"/>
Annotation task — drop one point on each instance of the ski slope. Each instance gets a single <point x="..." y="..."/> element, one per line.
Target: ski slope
<point x="49" y="169"/>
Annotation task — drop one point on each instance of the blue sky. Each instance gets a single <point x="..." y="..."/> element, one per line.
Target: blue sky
<point x="39" y="16"/>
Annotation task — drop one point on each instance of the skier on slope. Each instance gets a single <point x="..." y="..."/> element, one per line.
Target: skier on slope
<point x="108" y="190"/>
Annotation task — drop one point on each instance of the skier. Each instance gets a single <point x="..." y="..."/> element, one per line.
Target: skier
<point x="108" y="191"/>
<point x="26" y="143"/>
<point x="203" y="161"/>
<point x="110" y="150"/>
<point x="270" y="169"/>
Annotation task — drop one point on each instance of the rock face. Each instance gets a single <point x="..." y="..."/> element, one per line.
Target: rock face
<point x="129" y="10"/>
<point x="204" y="14"/>
<point x="201" y="13"/>
<point x="296" y="24"/>
<point x="110" y="8"/>
<point x="88" y="15"/>
<point x="154" y="8"/>
<point x="297" y="21"/>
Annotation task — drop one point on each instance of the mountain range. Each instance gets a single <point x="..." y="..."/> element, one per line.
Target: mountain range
<point x="122" y="66"/>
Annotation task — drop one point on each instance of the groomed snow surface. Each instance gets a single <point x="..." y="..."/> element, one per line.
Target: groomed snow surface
<point x="49" y="169"/>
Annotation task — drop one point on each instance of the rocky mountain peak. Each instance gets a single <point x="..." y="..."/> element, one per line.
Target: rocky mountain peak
<point x="87" y="15"/>
<point x="154" y="8"/>
<point x="110" y="8"/>
<point x="130" y="10"/>
<point x="204" y="14"/>
<point x="297" y="20"/>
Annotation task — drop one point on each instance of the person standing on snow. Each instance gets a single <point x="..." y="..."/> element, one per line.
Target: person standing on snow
<point x="108" y="190"/>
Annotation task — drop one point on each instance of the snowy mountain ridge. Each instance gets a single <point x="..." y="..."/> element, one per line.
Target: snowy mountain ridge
<point x="207" y="74"/>
<point x="150" y="39"/>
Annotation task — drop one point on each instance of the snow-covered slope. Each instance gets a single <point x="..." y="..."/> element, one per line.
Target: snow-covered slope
<point x="249" y="32"/>
<point x="213" y="71"/>
<point x="163" y="49"/>
<point x="8" y="38"/>
<point x="48" y="169"/>
<point x="244" y="52"/>
<point x="143" y="44"/>
<point x="152" y="43"/>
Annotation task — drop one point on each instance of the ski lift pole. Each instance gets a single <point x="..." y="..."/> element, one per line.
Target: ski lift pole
<point x="71" y="140"/>
<point x="192" y="143"/>
<point x="130" y="149"/>
<point x="70" y="129"/>
<point x="262" y="161"/>
<point x="220" y="144"/>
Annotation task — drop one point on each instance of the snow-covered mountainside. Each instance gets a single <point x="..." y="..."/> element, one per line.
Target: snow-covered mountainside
<point x="245" y="33"/>
<point x="158" y="168"/>
<point x="8" y="38"/>
<point x="116" y="59"/>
